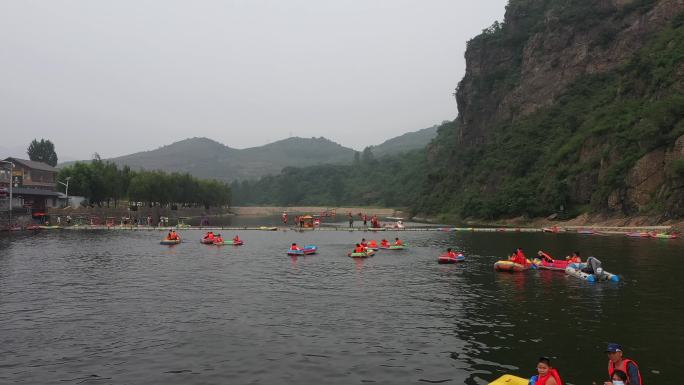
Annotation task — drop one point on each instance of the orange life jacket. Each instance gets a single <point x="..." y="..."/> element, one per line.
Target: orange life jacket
<point x="384" y="243"/>
<point x="294" y="247"/>
<point x="398" y="242"/>
<point x="451" y="254"/>
<point x="623" y="366"/>
<point x="552" y="373"/>
<point x="372" y="243"/>
<point x="575" y="259"/>
<point x="359" y="249"/>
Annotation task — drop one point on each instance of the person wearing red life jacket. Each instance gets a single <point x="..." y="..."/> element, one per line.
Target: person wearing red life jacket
<point x="294" y="247"/>
<point x="574" y="258"/>
<point x="218" y="239"/>
<point x="363" y="242"/>
<point x="398" y="242"/>
<point x="544" y="256"/>
<point x="373" y="244"/>
<point x="209" y="236"/>
<point x="359" y="248"/>
<point x="617" y="362"/>
<point x="518" y="257"/>
<point x="384" y="243"/>
<point x="451" y="254"/>
<point x="236" y="239"/>
<point x="547" y="375"/>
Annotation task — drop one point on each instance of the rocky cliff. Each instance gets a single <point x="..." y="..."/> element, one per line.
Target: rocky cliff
<point x="567" y="106"/>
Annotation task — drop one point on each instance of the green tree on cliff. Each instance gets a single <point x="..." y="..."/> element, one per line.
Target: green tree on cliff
<point x="43" y="151"/>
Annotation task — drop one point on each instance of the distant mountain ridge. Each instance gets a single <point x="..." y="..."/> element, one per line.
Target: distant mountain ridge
<point x="407" y="142"/>
<point x="206" y="158"/>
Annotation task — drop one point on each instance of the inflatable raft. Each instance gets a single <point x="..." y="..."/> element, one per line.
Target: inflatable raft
<point x="170" y="241"/>
<point x="665" y="236"/>
<point x="396" y="247"/>
<point x="207" y="241"/>
<point x="445" y="258"/>
<point x="510" y="266"/>
<point x="366" y="254"/>
<point x="639" y="235"/>
<point x="307" y="250"/>
<point x="229" y="242"/>
<point x="575" y="270"/>
<point x="508" y="379"/>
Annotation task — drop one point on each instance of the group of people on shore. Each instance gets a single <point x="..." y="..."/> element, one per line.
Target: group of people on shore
<point x="621" y="370"/>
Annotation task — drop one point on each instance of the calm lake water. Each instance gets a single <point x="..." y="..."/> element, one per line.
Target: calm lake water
<point x="115" y="307"/>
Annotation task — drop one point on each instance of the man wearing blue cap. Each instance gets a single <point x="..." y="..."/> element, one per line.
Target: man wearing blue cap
<point x="616" y="362"/>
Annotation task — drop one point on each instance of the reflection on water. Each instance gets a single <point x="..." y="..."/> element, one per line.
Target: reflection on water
<point x="117" y="307"/>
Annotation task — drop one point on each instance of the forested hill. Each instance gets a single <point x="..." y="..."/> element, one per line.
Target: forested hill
<point x="566" y="106"/>
<point x="405" y="143"/>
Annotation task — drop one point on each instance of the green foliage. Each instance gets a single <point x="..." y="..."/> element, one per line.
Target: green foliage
<point x="103" y="182"/>
<point x="43" y="151"/>
<point x="388" y="181"/>
<point x="678" y="168"/>
<point x="574" y="154"/>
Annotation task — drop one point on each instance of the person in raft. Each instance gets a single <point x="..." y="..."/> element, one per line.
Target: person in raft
<point x="359" y="248"/>
<point x="619" y="378"/>
<point x="172" y="236"/>
<point x="518" y="257"/>
<point x="398" y="242"/>
<point x="363" y="242"/>
<point x="547" y="375"/>
<point x="544" y="256"/>
<point x="574" y="258"/>
<point x="450" y="253"/>
<point x="294" y="247"/>
<point x="373" y="244"/>
<point x="236" y="239"/>
<point x="617" y="362"/>
<point x="218" y="239"/>
<point x="209" y="236"/>
<point x="384" y="243"/>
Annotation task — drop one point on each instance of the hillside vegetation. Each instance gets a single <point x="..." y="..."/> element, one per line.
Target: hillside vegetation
<point x="566" y="107"/>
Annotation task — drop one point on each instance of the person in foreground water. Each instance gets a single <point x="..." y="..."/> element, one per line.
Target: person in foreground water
<point x="617" y="362"/>
<point x="547" y="375"/>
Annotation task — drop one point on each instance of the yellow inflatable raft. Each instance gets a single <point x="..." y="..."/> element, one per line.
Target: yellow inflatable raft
<point x="508" y="379"/>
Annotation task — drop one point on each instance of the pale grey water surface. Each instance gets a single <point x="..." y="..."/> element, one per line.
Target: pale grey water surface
<point x="115" y="307"/>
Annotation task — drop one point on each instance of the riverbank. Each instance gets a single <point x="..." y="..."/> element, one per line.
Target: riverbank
<point x="595" y="222"/>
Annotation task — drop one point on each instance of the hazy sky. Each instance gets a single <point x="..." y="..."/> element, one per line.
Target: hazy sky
<point x="116" y="77"/>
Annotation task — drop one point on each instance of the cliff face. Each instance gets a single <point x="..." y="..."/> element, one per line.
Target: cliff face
<point x="542" y="47"/>
<point x="568" y="106"/>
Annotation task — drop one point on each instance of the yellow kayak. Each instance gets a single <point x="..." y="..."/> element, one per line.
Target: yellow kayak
<point x="508" y="379"/>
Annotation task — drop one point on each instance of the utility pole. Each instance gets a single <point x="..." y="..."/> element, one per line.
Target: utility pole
<point x="67" y="189"/>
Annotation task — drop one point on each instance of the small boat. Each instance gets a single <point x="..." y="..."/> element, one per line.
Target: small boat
<point x="641" y="234"/>
<point x="267" y="228"/>
<point x="306" y="250"/>
<point x="587" y="232"/>
<point x="229" y="242"/>
<point x="207" y="241"/>
<point x="365" y="254"/>
<point x="508" y="379"/>
<point x="665" y="236"/>
<point x="510" y="266"/>
<point x="396" y="247"/>
<point x="445" y="258"/>
<point x="170" y="241"/>
<point x="50" y="227"/>
<point x="575" y="270"/>
<point x="553" y="229"/>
